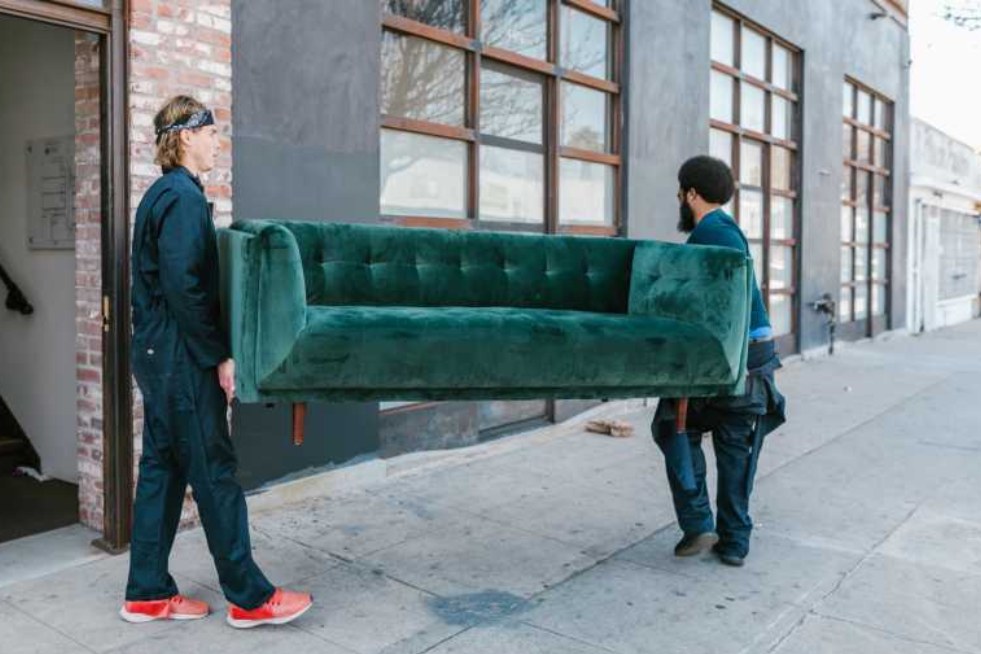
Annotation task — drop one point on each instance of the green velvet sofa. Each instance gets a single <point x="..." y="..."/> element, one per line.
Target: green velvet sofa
<point x="345" y="312"/>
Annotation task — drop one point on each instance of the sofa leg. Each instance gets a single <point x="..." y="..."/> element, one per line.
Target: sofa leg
<point x="299" y="419"/>
<point x="681" y="416"/>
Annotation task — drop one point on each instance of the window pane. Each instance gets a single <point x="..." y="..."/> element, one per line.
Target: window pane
<point x="846" y="183"/>
<point x="751" y="163"/>
<point x="847" y="149"/>
<point x="751" y="213"/>
<point x="510" y="104"/>
<point x="516" y="25"/>
<point x="720" y="100"/>
<point x="881" y="115"/>
<point x="845" y="305"/>
<point x="880" y="227"/>
<point x="723" y="49"/>
<point x="754" y="53"/>
<point x="585" y="43"/>
<point x="864" y="108"/>
<point x="847" y="227"/>
<point x="781" y="266"/>
<point x="511" y="185"/>
<point x="752" y="107"/>
<point x="422" y="80"/>
<point x="780" y="168"/>
<point x="879" y="263"/>
<point x="584" y="118"/>
<point x="585" y="193"/>
<point x="848" y="100"/>
<point x="783" y="73"/>
<point x="862" y="225"/>
<point x="423" y="175"/>
<point x="756" y="252"/>
<point x="861" y="187"/>
<point x="863" y="146"/>
<point x="879" y="191"/>
<point x="846" y="264"/>
<point x="446" y="14"/>
<point x="781" y="217"/>
<point x="779" y="313"/>
<point x="861" y="302"/>
<point x="861" y="264"/>
<point x="878" y="299"/>
<point x="780" y="118"/>
<point x="720" y="145"/>
<point x="881" y="153"/>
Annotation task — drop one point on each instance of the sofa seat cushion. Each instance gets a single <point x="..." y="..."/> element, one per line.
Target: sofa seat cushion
<point x="376" y="348"/>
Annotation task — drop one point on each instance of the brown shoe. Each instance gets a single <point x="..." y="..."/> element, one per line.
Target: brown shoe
<point x="692" y="544"/>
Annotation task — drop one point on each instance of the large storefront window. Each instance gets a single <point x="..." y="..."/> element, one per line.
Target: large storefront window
<point x="865" y="209"/>
<point x="501" y="114"/>
<point x="754" y="111"/>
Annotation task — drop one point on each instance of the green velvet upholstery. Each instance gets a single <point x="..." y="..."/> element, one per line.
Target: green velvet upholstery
<point x="338" y="312"/>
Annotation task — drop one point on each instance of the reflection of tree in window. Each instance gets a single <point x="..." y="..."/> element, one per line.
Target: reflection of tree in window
<point x="422" y="80"/>
<point x="584" y="43"/>
<point x="511" y="104"/>
<point x="445" y="14"/>
<point x="516" y="25"/>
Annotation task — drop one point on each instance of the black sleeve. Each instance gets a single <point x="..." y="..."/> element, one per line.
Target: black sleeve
<point x="183" y="235"/>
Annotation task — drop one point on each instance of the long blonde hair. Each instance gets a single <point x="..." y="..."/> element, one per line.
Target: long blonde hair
<point x="177" y="109"/>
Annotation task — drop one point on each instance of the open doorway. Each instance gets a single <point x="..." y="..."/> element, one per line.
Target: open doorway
<point x="50" y="202"/>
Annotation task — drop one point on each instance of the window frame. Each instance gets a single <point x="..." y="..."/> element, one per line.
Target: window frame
<point x="553" y="75"/>
<point x="870" y="323"/>
<point x="786" y="342"/>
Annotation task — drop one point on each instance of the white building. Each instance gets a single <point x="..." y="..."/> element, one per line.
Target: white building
<point x="944" y="230"/>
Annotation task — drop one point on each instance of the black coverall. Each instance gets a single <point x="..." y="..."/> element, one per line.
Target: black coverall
<point x="178" y="342"/>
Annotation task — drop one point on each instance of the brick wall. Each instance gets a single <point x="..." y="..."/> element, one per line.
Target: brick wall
<point x="176" y="47"/>
<point x="88" y="279"/>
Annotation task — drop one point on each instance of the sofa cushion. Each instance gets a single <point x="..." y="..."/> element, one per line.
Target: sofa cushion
<point x="396" y="266"/>
<point x="458" y="348"/>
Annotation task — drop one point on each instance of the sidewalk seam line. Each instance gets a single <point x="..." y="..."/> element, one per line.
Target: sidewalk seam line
<point x="45" y="624"/>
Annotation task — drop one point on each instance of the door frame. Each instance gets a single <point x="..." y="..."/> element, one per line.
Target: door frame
<point x="109" y="24"/>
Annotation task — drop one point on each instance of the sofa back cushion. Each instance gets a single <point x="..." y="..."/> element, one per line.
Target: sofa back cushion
<point x="349" y="264"/>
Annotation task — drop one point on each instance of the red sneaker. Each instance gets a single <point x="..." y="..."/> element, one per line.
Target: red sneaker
<point x="284" y="606"/>
<point x="177" y="607"/>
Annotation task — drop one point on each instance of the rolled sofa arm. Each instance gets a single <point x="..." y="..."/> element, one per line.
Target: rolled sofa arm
<point x="264" y="299"/>
<point x="704" y="285"/>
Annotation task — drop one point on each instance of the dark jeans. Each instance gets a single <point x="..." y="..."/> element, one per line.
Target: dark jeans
<point x="186" y="441"/>
<point x="733" y="448"/>
<point x="737" y="425"/>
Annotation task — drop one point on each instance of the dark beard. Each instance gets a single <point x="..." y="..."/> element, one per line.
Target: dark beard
<point x="686" y="219"/>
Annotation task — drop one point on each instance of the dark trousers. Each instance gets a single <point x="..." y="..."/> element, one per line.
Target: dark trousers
<point x="186" y="441"/>
<point x="738" y="425"/>
<point x="733" y="442"/>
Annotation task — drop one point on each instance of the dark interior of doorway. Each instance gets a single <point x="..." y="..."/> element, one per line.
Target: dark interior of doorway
<point x="29" y="506"/>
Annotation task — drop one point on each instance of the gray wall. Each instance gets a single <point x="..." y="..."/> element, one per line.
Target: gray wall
<point x="305" y="129"/>
<point x="668" y="117"/>
<point x="306" y="113"/>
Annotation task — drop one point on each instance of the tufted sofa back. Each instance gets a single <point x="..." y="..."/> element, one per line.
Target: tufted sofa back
<point x="345" y="264"/>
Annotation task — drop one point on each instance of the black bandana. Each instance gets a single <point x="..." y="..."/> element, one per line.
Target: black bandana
<point x="199" y="119"/>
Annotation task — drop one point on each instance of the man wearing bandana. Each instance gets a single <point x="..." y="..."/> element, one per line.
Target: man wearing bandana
<point x="182" y="364"/>
<point x="738" y="424"/>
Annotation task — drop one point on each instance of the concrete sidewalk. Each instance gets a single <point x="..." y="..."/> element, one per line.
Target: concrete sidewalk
<point x="868" y="513"/>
